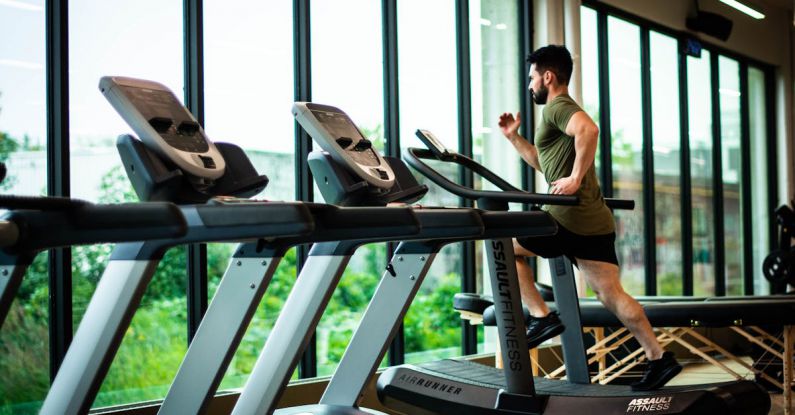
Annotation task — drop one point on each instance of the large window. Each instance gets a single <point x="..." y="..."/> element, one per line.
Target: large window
<point x="153" y="50"/>
<point x="248" y="70"/>
<point x="760" y="210"/>
<point x="627" y="145"/>
<point x="666" y="149"/>
<point x="589" y="65"/>
<point x="428" y="100"/>
<point x="699" y="94"/>
<point x="346" y="73"/>
<point x="706" y="221"/>
<point x="497" y="85"/>
<point x="731" y="172"/>
<point x="24" y="337"/>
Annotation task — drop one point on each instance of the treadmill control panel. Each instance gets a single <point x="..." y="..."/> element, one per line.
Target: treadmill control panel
<point x="434" y="144"/>
<point x="336" y="133"/>
<point x="164" y="124"/>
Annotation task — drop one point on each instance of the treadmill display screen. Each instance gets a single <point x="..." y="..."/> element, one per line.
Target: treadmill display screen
<point x="158" y="107"/>
<point x="338" y="125"/>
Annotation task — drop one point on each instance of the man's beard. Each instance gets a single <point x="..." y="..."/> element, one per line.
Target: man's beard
<point x="540" y="97"/>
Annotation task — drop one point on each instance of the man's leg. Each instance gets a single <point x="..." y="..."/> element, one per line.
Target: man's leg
<point x="530" y="295"/>
<point x="603" y="277"/>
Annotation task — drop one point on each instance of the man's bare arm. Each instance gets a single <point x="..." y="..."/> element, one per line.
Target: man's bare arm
<point x="528" y="151"/>
<point x="509" y="125"/>
<point x="586" y="137"/>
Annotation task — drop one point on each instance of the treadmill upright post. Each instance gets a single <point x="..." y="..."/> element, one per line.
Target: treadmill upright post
<point x="100" y="333"/>
<point x="509" y="315"/>
<point x="223" y="326"/>
<point x="569" y="308"/>
<point x="294" y="326"/>
<point x="391" y="300"/>
<point x="12" y="270"/>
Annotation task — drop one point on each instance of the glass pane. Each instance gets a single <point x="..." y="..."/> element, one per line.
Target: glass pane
<point x="666" y="148"/>
<point x="24" y="337"/>
<point x="497" y="84"/>
<point x="347" y="73"/>
<point x="589" y="62"/>
<point x="627" y="148"/>
<point x="729" y="92"/>
<point x="428" y="100"/>
<point x="248" y="78"/>
<point x="760" y="211"/>
<point x="154" y="50"/>
<point x="347" y="62"/>
<point x="238" y="48"/>
<point x="700" y="119"/>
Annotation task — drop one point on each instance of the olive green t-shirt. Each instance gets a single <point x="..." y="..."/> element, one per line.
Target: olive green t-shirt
<point x="556" y="155"/>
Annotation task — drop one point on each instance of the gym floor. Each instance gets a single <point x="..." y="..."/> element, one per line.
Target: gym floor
<point x="699" y="372"/>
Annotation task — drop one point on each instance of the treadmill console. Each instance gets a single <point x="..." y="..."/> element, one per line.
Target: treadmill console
<point x="164" y="124"/>
<point x="334" y="131"/>
<point x="434" y="144"/>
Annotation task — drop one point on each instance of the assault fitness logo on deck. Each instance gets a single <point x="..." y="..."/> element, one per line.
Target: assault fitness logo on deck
<point x="656" y="404"/>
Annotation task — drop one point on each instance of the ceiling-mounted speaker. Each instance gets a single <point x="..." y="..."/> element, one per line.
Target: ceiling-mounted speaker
<point x="712" y="24"/>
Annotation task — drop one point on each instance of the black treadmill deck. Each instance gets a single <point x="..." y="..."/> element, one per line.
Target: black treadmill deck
<point x="465" y="371"/>
<point x="462" y="387"/>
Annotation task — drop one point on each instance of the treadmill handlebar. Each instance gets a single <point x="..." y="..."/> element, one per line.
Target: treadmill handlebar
<point x="45" y="203"/>
<point x="87" y="223"/>
<point x="509" y="192"/>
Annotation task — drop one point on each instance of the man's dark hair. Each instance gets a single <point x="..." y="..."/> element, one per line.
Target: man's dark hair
<point x="555" y="58"/>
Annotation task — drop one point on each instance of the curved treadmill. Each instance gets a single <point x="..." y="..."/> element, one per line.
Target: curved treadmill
<point x="456" y="387"/>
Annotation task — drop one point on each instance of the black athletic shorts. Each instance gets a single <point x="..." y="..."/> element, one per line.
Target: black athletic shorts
<point x="565" y="242"/>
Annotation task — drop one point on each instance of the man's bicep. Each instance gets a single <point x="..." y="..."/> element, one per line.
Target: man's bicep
<point x="579" y="122"/>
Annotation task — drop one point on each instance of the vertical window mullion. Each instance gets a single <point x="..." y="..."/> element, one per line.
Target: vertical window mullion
<point x="772" y="169"/>
<point x="745" y="183"/>
<point x="604" y="106"/>
<point x="648" y="166"/>
<point x="468" y="283"/>
<point x="60" y="260"/>
<point x="303" y="145"/>
<point x="397" y="350"/>
<point x="685" y="182"/>
<point x="526" y="104"/>
<point x="194" y="100"/>
<point x="717" y="179"/>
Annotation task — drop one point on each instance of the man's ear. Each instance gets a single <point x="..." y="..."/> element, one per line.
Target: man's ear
<point x="548" y="77"/>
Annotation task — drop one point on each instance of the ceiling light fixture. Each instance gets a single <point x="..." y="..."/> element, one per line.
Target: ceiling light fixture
<point x="756" y="14"/>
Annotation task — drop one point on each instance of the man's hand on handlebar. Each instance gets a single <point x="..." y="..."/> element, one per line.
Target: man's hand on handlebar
<point x="565" y="186"/>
